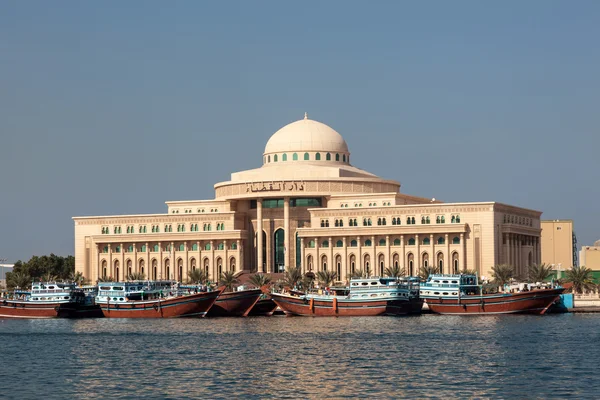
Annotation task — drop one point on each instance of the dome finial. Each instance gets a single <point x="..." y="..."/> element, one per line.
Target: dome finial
<point x="305" y="115"/>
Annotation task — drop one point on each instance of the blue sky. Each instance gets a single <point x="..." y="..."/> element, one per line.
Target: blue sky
<point x="116" y="107"/>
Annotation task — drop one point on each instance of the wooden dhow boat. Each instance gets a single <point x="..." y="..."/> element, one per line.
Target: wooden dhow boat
<point x="461" y="294"/>
<point x="153" y="299"/>
<point x="235" y="304"/>
<point x="48" y="300"/>
<point x="365" y="297"/>
<point x="265" y="306"/>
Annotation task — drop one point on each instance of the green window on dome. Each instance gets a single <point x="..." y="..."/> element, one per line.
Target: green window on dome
<point x="328" y="157"/>
<point x="306" y="157"/>
<point x="318" y="156"/>
<point x="268" y="159"/>
<point x="396" y="242"/>
<point x="411" y="241"/>
<point x="284" y="157"/>
<point x="295" y="156"/>
<point x="195" y="247"/>
<point x="382" y="242"/>
<point x="337" y="157"/>
<point x="339" y="243"/>
<point x="275" y="158"/>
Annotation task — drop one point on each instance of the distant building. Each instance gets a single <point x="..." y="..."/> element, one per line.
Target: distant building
<point x="589" y="256"/>
<point x="307" y="206"/>
<point x="4" y="268"/>
<point x="559" y="244"/>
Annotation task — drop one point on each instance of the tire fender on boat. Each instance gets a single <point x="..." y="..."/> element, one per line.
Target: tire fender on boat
<point x="56" y="308"/>
<point x="155" y="306"/>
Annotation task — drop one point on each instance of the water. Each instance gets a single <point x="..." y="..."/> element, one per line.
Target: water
<point x="430" y="356"/>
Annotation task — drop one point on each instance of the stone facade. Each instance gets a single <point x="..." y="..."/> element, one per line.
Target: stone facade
<point x="316" y="211"/>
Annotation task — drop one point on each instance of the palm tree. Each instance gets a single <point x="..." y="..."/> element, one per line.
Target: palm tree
<point x="292" y="276"/>
<point x="49" y="277"/>
<point x="357" y="274"/>
<point x="424" y="271"/>
<point x="105" y="278"/>
<point x="539" y="273"/>
<point x="18" y="279"/>
<point x="306" y="283"/>
<point x="503" y="273"/>
<point x="77" y="277"/>
<point x="228" y="279"/>
<point x="395" y="271"/>
<point x="197" y="276"/>
<point x="326" y="278"/>
<point x="136" y="276"/>
<point x="260" y="280"/>
<point x="581" y="278"/>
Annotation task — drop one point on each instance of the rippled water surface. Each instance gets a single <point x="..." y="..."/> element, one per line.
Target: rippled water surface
<point x="554" y="356"/>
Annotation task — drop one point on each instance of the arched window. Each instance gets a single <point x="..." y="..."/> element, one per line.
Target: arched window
<point x="195" y="247"/>
<point x="443" y="219"/>
<point x="353" y="243"/>
<point x="143" y="248"/>
<point x="318" y="156"/>
<point x="411" y="241"/>
<point x="426" y="241"/>
<point x="368" y="243"/>
<point x="364" y="222"/>
<point x="394" y="221"/>
<point x="423" y="220"/>
<point x="456" y="240"/>
<point x="396" y="242"/>
<point x="412" y="220"/>
<point x="383" y="222"/>
<point x="306" y="157"/>
<point x="275" y="158"/>
<point x="408" y="221"/>
<point x="344" y="157"/>
<point x="155" y="249"/>
<point x="233" y="246"/>
<point x="325" y="243"/>
<point x="207" y="246"/>
<point x="369" y="222"/>
<point x="328" y="157"/>
<point x="284" y="157"/>
<point x="457" y="219"/>
<point x="337" y="223"/>
<point x="453" y="220"/>
<point x="295" y="156"/>
<point x="339" y="243"/>
<point x="437" y="219"/>
<point x="341" y="222"/>
<point x="441" y="240"/>
<point x="181" y="247"/>
<point x="427" y="220"/>
<point x="382" y="242"/>
<point x="221" y="246"/>
<point x="311" y="244"/>
<point x="337" y="157"/>
<point x="378" y="221"/>
<point x="268" y="158"/>
<point x="130" y="248"/>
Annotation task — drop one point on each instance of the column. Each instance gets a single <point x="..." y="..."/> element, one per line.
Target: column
<point x="417" y="256"/>
<point x="226" y="256"/>
<point x="359" y="261"/>
<point x="93" y="278"/>
<point x="122" y="266"/>
<point x="212" y="267"/>
<point x="403" y="256"/>
<point x="240" y="259"/>
<point x="286" y="234"/>
<point x="463" y="256"/>
<point x="448" y="267"/>
<point x="330" y="261"/>
<point x="148" y="267"/>
<point x="160" y="262"/>
<point x="506" y="250"/>
<point x="317" y="260"/>
<point x="345" y="260"/>
<point x="374" y="260"/>
<point x="173" y="268"/>
<point x="432" y="259"/>
<point x="186" y="262"/>
<point x="260" y="267"/>
<point x="136" y="265"/>
<point x="388" y="256"/>
<point x="199" y="263"/>
<point x="110" y="266"/>
<point x="302" y="257"/>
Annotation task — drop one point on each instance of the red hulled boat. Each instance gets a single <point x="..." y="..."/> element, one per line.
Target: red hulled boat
<point x="365" y="297"/>
<point x="460" y="294"/>
<point x="265" y="306"/>
<point x="235" y="304"/>
<point x="158" y="299"/>
<point x="48" y="300"/>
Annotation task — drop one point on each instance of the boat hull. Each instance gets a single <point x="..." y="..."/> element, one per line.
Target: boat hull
<point x="339" y="307"/>
<point x="183" y="306"/>
<point x="26" y="309"/>
<point x="235" y="304"/>
<point x="532" y="302"/>
<point x="263" y="307"/>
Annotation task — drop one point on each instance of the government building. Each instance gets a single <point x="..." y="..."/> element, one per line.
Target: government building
<point x="308" y="206"/>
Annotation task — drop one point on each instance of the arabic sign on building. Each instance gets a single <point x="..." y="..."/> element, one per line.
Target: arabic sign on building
<point x="273" y="186"/>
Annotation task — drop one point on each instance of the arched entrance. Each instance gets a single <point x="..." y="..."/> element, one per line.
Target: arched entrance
<point x="440" y="262"/>
<point x="324" y="263"/>
<point x="154" y="269"/>
<point x="455" y="262"/>
<point x="367" y="264"/>
<point x="141" y="265"/>
<point x="352" y="264"/>
<point x="116" y="269"/>
<point x="129" y="271"/>
<point x="104" y="275"/>
<point x="411" y="264"/>
<point x="232" y="264"/>
<point x="425" y="260"/>
<point x="219" y="269"/>
<point x="396" y="260"/>
<point x="206" y="266"/>
<point x="381" y="262"/>
<point x="309" y="263"/>
<point x="167" y="269"/>
<point x="180" y="270"/>
<point x="338" y="266"/>
<point x="279" y="250"/>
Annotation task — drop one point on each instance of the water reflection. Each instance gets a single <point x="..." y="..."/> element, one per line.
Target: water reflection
<point x="427" y="356"/>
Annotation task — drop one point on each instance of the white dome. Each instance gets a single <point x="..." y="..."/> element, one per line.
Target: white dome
<point x="306" y="135"/>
